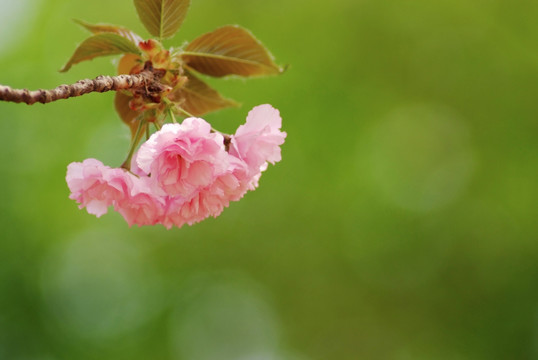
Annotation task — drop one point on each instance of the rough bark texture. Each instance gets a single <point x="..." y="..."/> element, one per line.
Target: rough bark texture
<point x="100" y="84"/>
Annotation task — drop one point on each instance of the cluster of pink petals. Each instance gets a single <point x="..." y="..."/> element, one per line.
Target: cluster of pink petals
<point x="183" y="174"/>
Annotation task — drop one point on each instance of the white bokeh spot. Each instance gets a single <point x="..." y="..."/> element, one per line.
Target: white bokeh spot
<point x="15" y="18"/>
<point x="227" y="320"/>
<point x="98" y="286"/>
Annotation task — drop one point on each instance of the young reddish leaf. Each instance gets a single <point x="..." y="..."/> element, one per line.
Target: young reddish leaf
<point x="198" y="98"/>
<point x="101" y="45"/>
<point x="128" y="62"/>
<point x="106" y="28"/>
<point x="127" y="115"/>
<point x="229" y="50"/>
<point x="162" y="18"/>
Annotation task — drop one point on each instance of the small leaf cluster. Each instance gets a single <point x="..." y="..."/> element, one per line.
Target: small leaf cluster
<point x="226" y="51"/>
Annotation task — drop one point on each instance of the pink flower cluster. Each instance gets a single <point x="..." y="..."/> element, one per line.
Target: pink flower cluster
<point x="183" y="174"/>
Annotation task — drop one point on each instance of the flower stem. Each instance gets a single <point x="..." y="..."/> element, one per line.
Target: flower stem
<point x="136" y="139"/>
<point x="185" y="112"/>
<point x="172" y="117"/>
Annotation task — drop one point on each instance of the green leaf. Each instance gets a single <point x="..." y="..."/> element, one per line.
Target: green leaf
<point x="198" y="98"/>
<point x="101" y="45"/>
<point x="162" y="18"/>
<point x="229" y="50"/>
<point x="106" y="28"/>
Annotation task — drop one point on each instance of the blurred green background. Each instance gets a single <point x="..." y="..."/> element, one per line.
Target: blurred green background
<point x="400" y="224"/>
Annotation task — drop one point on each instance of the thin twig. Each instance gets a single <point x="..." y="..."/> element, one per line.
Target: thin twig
<point x="99" y="84"/>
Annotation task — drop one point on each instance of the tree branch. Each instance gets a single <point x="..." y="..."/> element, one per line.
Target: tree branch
<point x="145" y="79"/>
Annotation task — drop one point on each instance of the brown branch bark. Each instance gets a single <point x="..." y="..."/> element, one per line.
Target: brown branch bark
<point x="145" y="79"/>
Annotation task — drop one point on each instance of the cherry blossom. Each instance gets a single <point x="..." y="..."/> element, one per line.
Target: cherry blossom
<point x="183" y="174"/>
<point x="183" y="158"/>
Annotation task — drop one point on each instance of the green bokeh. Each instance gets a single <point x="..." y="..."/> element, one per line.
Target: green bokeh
<point x="400" y="224"/>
